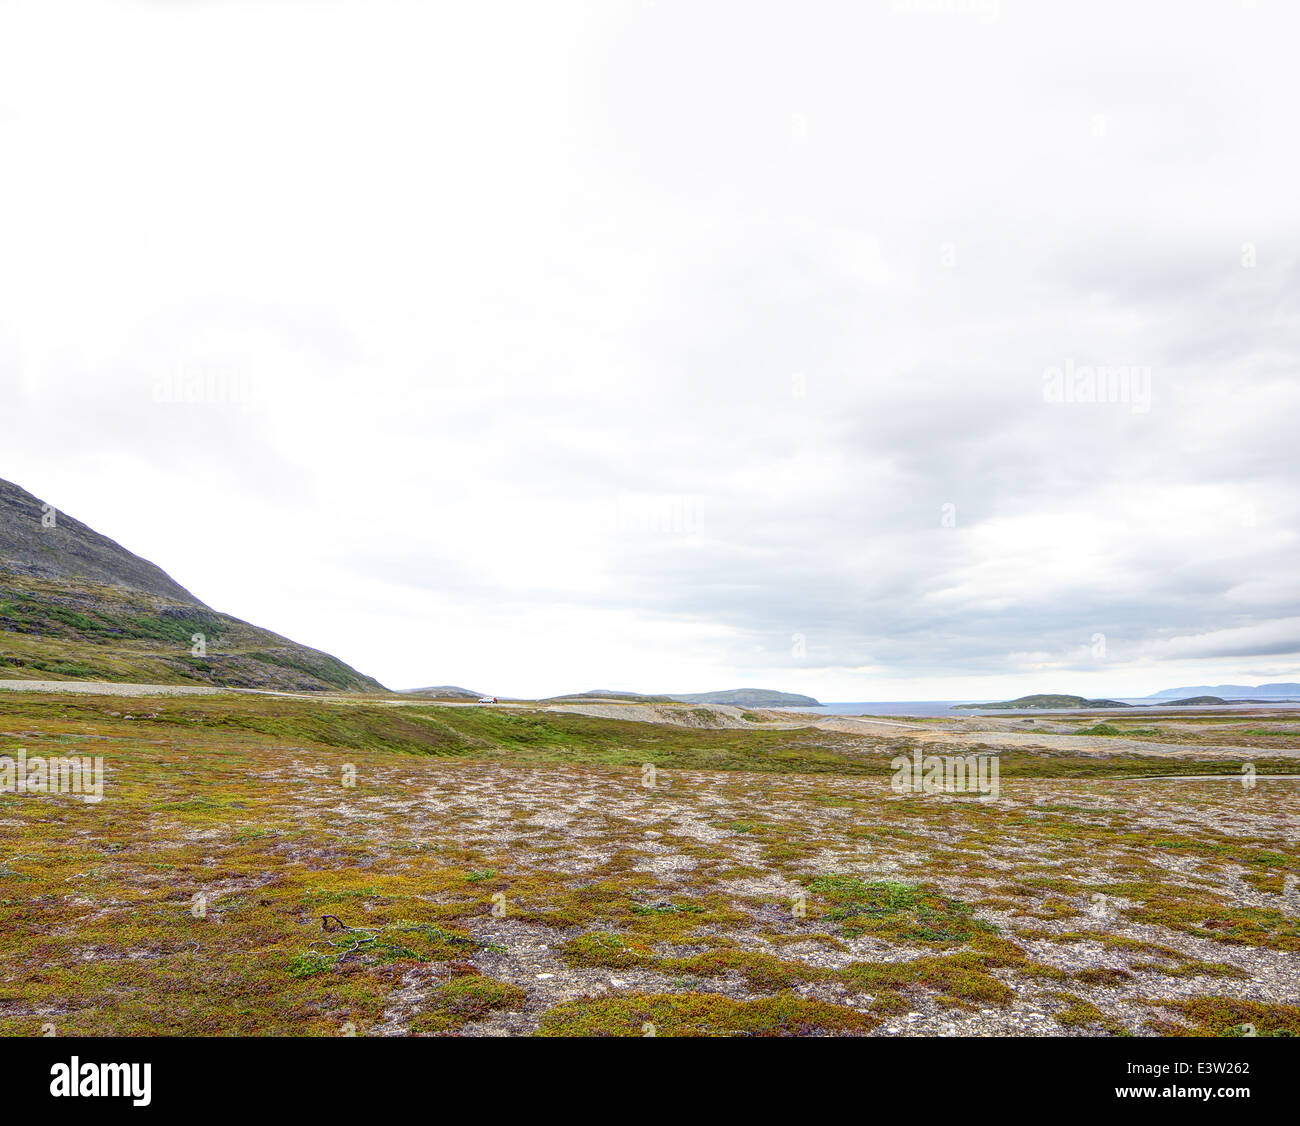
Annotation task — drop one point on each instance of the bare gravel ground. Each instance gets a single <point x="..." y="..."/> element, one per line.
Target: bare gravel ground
<point x="568" y="822"/>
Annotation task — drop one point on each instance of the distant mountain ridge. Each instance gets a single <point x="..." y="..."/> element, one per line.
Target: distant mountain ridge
<point x="1227" y="691"/>
<point x="76" y="605"/>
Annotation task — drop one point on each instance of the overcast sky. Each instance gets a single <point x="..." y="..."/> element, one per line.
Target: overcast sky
<point x="542" y="347"/>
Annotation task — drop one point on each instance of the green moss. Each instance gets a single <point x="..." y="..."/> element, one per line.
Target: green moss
<point x="762" y="973"/>
<point x="462" y="1001"/>
<point x="963" y="979"/>
<point x="606" y="951"/>
<point x="1079" y="1013"/>
<point x="1229" y="1016"/>
<point x="310" y="963"/>
<point x="395" y="942"/>
<point x="702" y="1014"/>
<point x="1203" y="915"/>
<point x="897" y="911"/>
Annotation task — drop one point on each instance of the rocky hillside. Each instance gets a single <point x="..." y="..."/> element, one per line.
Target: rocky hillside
<point x="75" y="605"/>
<point x="40" y="543"/>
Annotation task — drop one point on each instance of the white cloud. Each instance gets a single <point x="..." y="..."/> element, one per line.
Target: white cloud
<point x="579" y="344"/>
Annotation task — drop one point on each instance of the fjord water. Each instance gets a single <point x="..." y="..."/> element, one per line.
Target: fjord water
<point x="883" y="707"/>
<point x="946" y="707"/>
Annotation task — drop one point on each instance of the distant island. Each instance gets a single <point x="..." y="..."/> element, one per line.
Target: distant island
<point x="750" y="698"/>
<point x="1060" y="701"/>
<point x="1191" y="700"/>
<point x="741" y="697"/>
<point x="605" y="695"/>
<point x="1043" y="700"/>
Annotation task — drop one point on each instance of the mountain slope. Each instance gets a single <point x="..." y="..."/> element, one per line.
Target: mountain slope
<point x="76" y="605"/>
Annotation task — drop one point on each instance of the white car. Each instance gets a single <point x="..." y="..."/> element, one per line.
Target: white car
<point x="487" y="699"/>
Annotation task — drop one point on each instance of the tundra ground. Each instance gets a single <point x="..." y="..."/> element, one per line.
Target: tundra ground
<point x="263" y="865"/>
